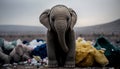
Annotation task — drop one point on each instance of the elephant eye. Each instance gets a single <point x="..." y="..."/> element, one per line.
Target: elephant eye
<point x="67" y="18"/>
<point x="53" y="19"/>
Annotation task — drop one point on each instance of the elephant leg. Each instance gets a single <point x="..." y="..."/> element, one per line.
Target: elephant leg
<point x="52" y="62"/>
<point x="70" y="58"/>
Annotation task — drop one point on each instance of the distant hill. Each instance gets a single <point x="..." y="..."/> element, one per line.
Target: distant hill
<point x="108" y="27"/>
<point x="113" y="26"/>
<point x="22" y="29"/>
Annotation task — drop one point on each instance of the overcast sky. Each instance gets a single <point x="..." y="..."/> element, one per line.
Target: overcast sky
<point x="90" y="12"/>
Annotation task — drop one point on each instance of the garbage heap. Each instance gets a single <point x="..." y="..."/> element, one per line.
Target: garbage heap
<point x="23" y="52"/>
<point x="87" y="55"/>
<point x="101" y="52"/>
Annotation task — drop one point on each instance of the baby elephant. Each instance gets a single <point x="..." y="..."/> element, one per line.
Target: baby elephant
<point x="60" y="21"/>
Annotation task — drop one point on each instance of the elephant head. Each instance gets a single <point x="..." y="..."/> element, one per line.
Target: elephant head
<point x="59" y="19"/>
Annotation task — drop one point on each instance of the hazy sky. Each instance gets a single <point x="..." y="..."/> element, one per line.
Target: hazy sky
<point x="90" y="12"/>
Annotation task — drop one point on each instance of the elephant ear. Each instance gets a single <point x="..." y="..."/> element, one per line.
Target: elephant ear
<point x="44" y="19"/>
<point x="73" y="18"/>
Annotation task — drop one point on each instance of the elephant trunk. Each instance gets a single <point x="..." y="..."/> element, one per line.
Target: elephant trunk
<point x="60" y="28"/>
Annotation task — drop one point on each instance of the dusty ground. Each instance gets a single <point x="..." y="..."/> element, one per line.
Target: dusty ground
<point x="41" y="67"/>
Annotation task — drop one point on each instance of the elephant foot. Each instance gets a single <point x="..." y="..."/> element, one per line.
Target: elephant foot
<point x="52" y="64"/>
<point x="69" y="64"/>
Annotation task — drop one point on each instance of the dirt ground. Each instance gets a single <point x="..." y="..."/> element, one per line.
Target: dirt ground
<point x="41" y="67"/>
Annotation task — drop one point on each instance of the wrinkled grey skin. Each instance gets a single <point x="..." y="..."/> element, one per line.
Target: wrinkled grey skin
<point x="60" y="21"/>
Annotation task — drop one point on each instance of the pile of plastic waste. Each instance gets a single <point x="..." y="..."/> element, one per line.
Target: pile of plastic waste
<point x="87" y="55"/>
<point x="23" y="52"/>
<point x="112" y="52"/>
<point x="101" y="52"/>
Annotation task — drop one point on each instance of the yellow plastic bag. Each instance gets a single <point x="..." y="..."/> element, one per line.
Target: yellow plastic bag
<point x="86" y="54"/>
<point x="99" y="57"/>
<point x="82" y="49"/>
